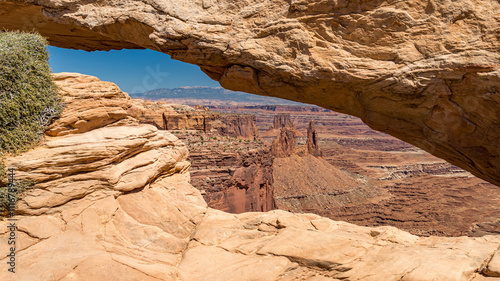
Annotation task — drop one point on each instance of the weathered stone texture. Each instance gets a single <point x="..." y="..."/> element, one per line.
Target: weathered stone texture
<point x="312" y="141"/>
<point x="114" y="203"/>
<point x="237" y="126"/>
<point x="425" y="71"/>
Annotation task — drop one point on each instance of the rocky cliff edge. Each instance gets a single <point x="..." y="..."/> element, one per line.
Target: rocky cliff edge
<point x="424" y="71"/>
<point x="113" y="202"/>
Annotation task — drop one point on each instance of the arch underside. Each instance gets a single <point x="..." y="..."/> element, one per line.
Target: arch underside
<point x="426" y="72"/>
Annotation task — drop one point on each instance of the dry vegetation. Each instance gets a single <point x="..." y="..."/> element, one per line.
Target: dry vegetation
<point x="28" y="98"/>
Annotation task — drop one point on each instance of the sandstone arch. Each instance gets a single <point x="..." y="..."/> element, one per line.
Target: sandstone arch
<point x="427" y="72"/>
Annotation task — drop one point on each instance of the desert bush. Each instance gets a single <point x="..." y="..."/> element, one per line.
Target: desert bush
<point x="28" y="97"/>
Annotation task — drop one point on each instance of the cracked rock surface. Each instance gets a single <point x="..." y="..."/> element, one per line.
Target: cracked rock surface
<point x="114" y="203"/>
<point x="424" y="71"/>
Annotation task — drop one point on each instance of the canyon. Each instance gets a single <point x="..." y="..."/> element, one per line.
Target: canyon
<point x="237" y="169"/>
<point x="426" y="72"/>
<point x="112" y="201"/>
<point x="401" y="186"/>
<point x="114" y="198"/>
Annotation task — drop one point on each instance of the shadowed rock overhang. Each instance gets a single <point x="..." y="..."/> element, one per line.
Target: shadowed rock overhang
<point x="427" y="72"/>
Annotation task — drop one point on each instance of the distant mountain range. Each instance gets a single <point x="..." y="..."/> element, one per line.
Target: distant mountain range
<point x="218" y="94"/>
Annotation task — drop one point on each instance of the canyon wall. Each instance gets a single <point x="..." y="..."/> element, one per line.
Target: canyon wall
<point x="234" y="180"/>
<point x="249" y="187"/>
<point x="280" y="121"/>
<point x="197" y="120"/>
<point x="308" y="184"/>
<point x="424" y="71"/>
<point x="236" y="126"/>
<point x="112" y="202"/>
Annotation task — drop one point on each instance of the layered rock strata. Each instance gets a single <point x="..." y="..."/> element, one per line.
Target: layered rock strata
<point x="113" y="202"/>
<point x="310" y="184"/>
<point x="237" y="126"/>
<point x="418" y="184"/>
<point x="312" y="145"/>
<point x="93" y="104"/>
<point x="285" y="145"/>
<point x="248" y="186"/>
<point x="427" y="72"/>
<point x="197" y="120"/>
<point x="280" y="121"/>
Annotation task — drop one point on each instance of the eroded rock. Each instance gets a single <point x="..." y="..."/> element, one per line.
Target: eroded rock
<point x="114" y="203"/>
<point x="285" y="145"/>
<point x="424" y="71"/>
<point x="280" y="121"/>
<point x="237" y="126"/>
<point x="312" y="141"/>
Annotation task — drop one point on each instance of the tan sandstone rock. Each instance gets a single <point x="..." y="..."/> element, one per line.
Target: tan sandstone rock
<point x="341" y="251"/>
<point x="425" y="71"/>
<point x="115" y="203"/>
<point x="493" y="267"/>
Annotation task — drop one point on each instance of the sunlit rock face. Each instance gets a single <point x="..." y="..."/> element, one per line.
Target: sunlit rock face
<point x="112" y="201"/>
<point x="427" y="72"/>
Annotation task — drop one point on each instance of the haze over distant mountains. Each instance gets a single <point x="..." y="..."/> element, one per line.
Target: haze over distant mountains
<point x="210" y="95"/>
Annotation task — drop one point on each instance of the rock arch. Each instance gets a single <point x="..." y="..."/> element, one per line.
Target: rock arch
<point x="427" y="72"/>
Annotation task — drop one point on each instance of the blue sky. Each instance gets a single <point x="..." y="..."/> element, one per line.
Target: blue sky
<point x="132" y="70"/>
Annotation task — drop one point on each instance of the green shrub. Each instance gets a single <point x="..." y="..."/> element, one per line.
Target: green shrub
<point x="28" y="99"/>
<point x="28" y="96"/>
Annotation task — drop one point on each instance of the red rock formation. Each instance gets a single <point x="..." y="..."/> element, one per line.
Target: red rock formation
<point x="249" y="188"/>
<point x="281" y="120"/>
<point x="197" y="120"/>
<point x="237" y="126"/>
<point x="243" y="181"/>
<point x="312" y="141"/>
<point x="168" y="116"/>
<point x="285" y="145"/>
<point x="426" y="72"/>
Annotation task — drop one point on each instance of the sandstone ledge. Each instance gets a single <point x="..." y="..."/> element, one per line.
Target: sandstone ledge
<point x="114" y="203"/>
<point x="167" y="233"/>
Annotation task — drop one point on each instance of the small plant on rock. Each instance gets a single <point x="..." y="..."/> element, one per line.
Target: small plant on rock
<point x="28" y="99"/>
